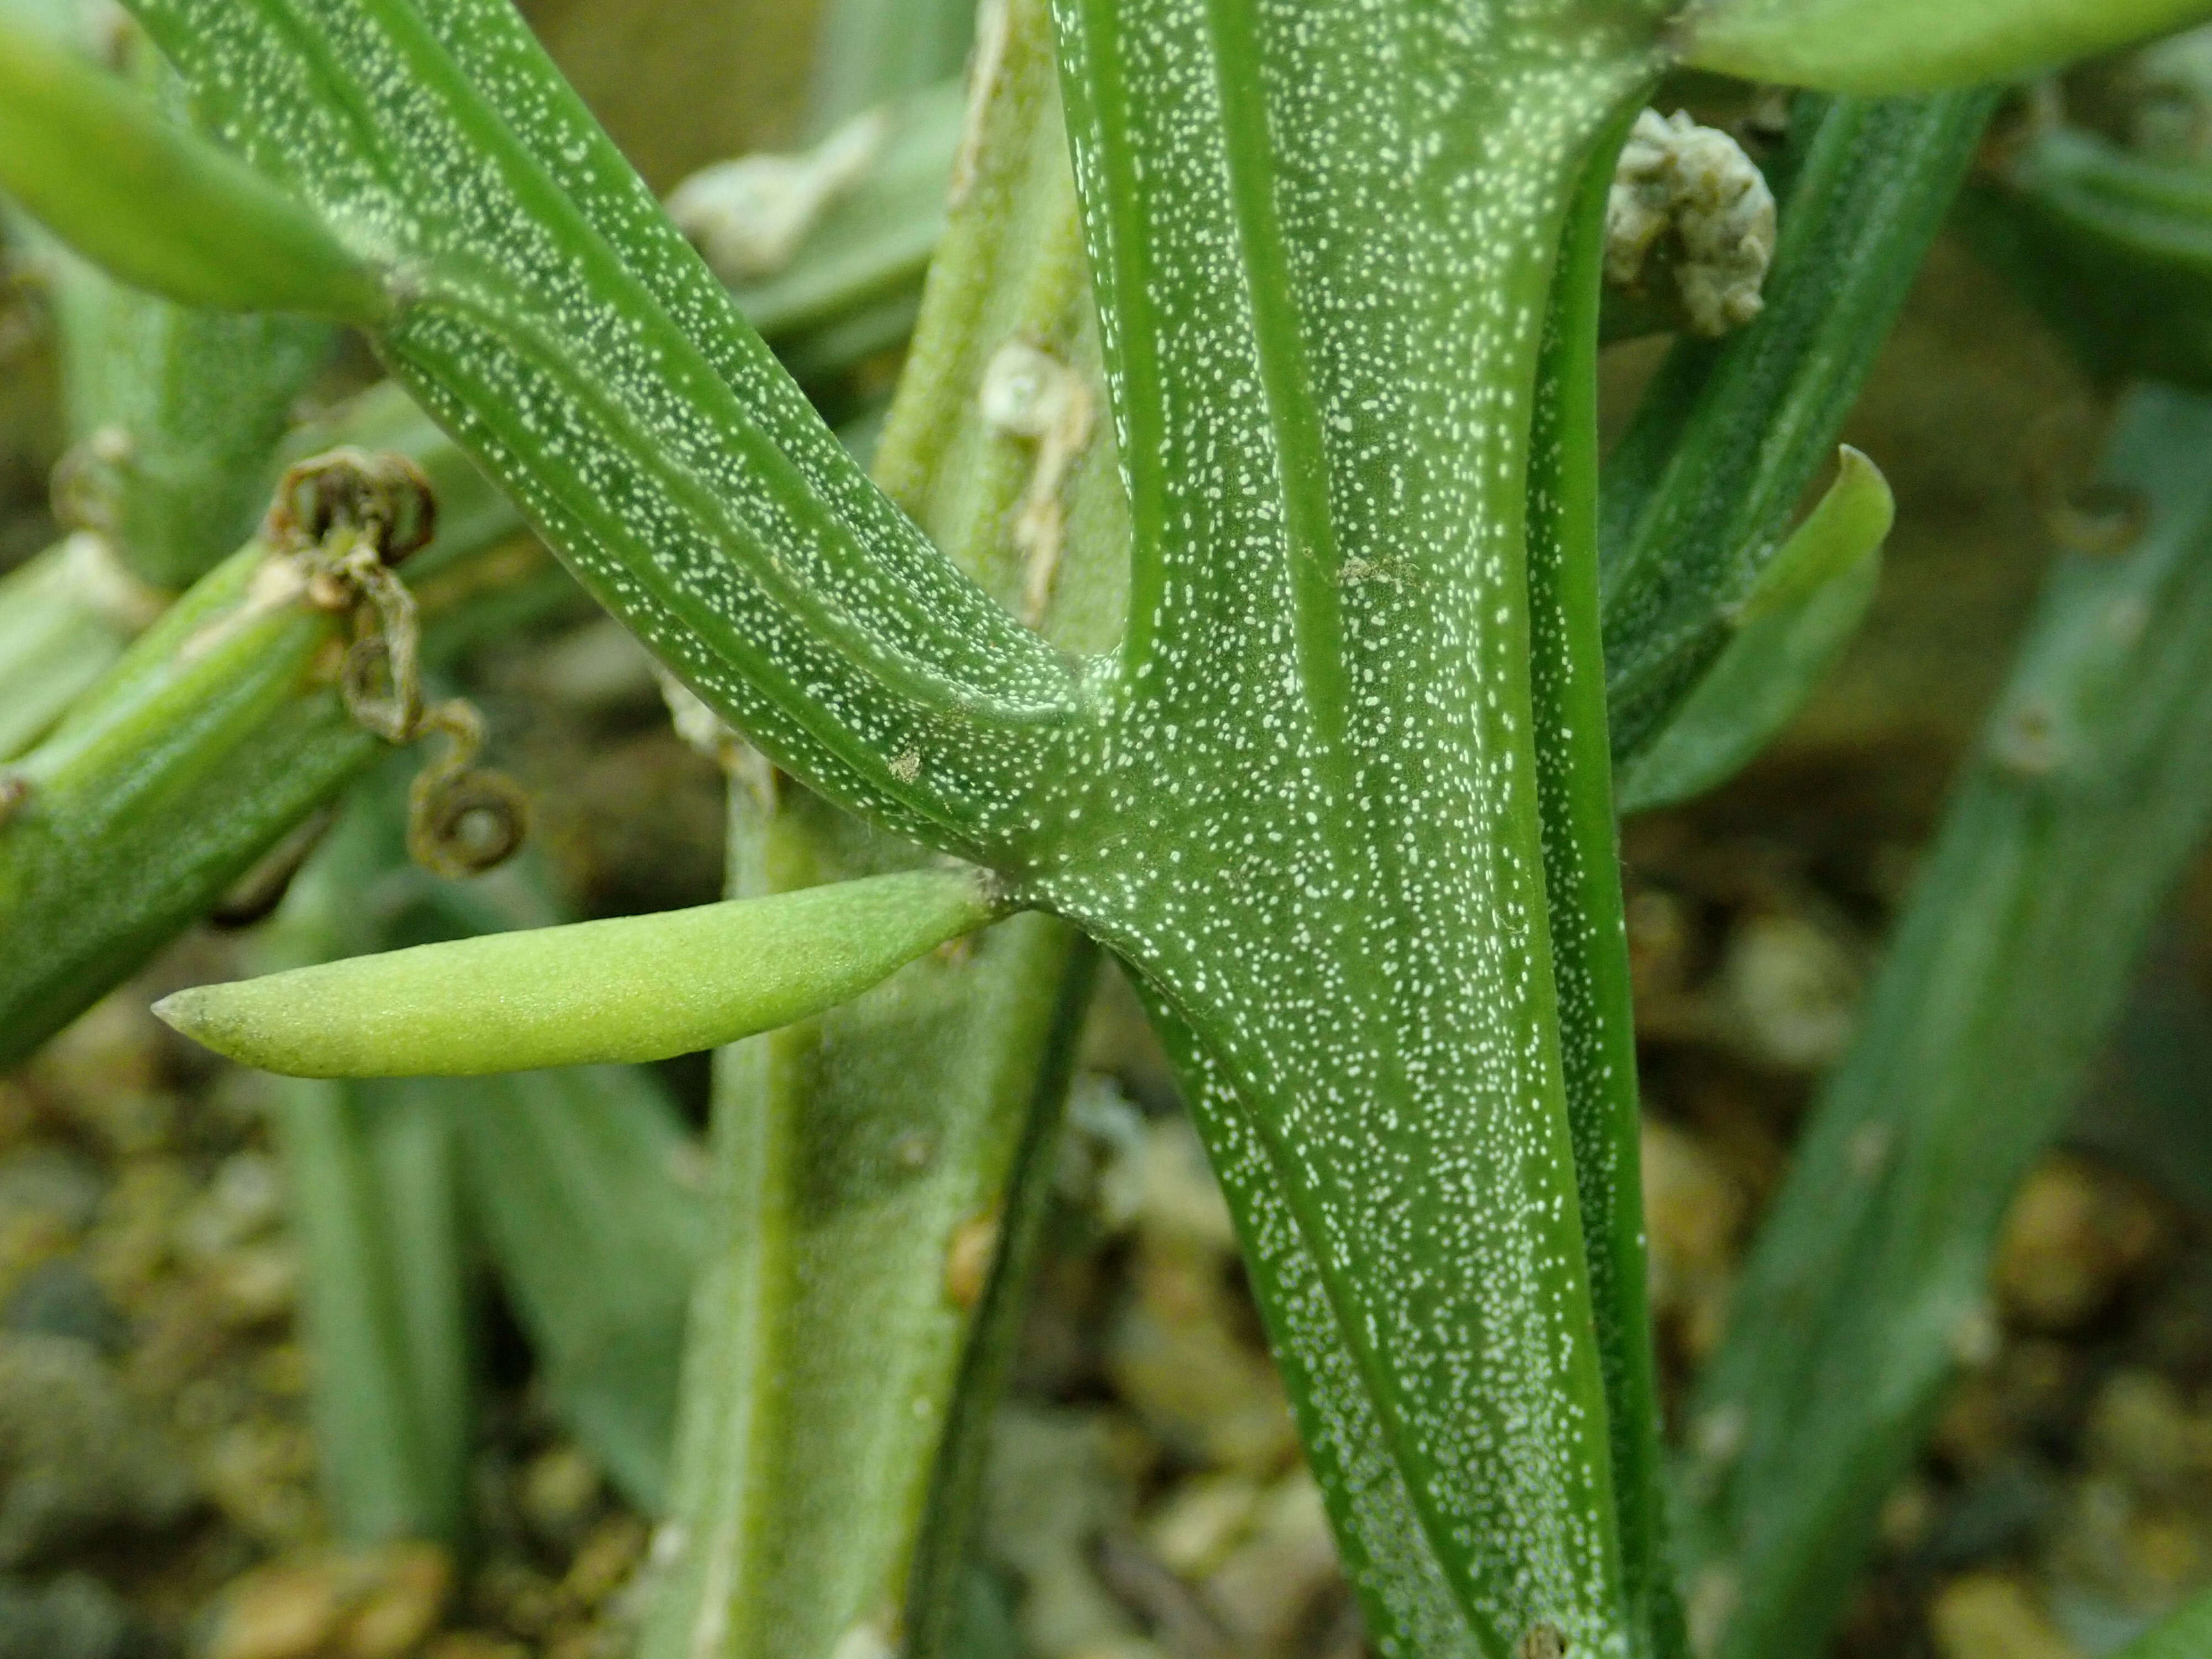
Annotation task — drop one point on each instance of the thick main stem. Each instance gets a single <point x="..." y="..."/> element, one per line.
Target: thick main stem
<point x="1325" y="244"/>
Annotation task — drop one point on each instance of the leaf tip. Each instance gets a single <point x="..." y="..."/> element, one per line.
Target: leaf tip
<point x="185" y="1012"/>
<point x="219" y="1018"/>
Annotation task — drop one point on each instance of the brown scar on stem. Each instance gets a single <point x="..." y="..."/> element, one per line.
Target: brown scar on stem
<point x="968" y="1258"/>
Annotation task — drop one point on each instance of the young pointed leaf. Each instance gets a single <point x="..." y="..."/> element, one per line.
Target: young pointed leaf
<point x="634" y="988"/>
<point x="1701" y="490"/>
<point x="1807" y="607"/>
<point x="157" y="206"/>
<point x="1880" y="46"/>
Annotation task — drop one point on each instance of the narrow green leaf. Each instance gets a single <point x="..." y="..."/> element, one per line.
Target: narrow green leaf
<point x="1850" y="523"/>
<point x="374" y="1205"/>
<point x="1805" y="608"/>
<point x="577" y="1179"/>
<point x="1878" y="46"/>
<point x="633" y="988"/>
<point x="157" y="206"/>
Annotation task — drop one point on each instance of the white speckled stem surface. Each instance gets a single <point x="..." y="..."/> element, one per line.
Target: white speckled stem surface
<point x="1323" y="237"/>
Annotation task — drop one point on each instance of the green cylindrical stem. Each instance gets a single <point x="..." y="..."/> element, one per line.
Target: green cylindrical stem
<point x="208" y="741"/>
<point x="2092" y="785"/>
<point x="882" y="1168"/>
<point x="63" y="621"/>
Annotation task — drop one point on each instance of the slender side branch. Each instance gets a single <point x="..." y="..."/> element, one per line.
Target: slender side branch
<point x="551" y="318"/>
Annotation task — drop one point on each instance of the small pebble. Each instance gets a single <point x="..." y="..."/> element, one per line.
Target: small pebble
<point x="75" y="1459"/>
<point x="604" y="1561"/>
<point x="47" y="1183"/>
<point x="1789" y="990"/>
<point x="1200" y="1520"/>
<point x="1271" y="1585"/>
<point x="370" y="1604"/>
<point x="558" y="1491"/>
<point x="62" y="1299"/>
<point x="74" y="1616"/>
<point x="1693" y="1213"/>
<point x="2077" y="1235"/>
<point x="1989" y="1615"/>
<point x="2140" y="1429"/>
<point x="255" y="1284"/>
<point x="244" y="1201"/>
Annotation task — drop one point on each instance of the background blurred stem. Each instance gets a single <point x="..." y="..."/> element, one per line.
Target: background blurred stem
<point x="1866" y="1289"/>
<point x="372" y="1172"/>
<point x="174" y="415"/>
<point x="872" y="51"/>
<point x="64" y="619"/>
<point x="881" y="1171"/>
<point x="375" y="1204"/>
<point x="2112" y="247"/>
